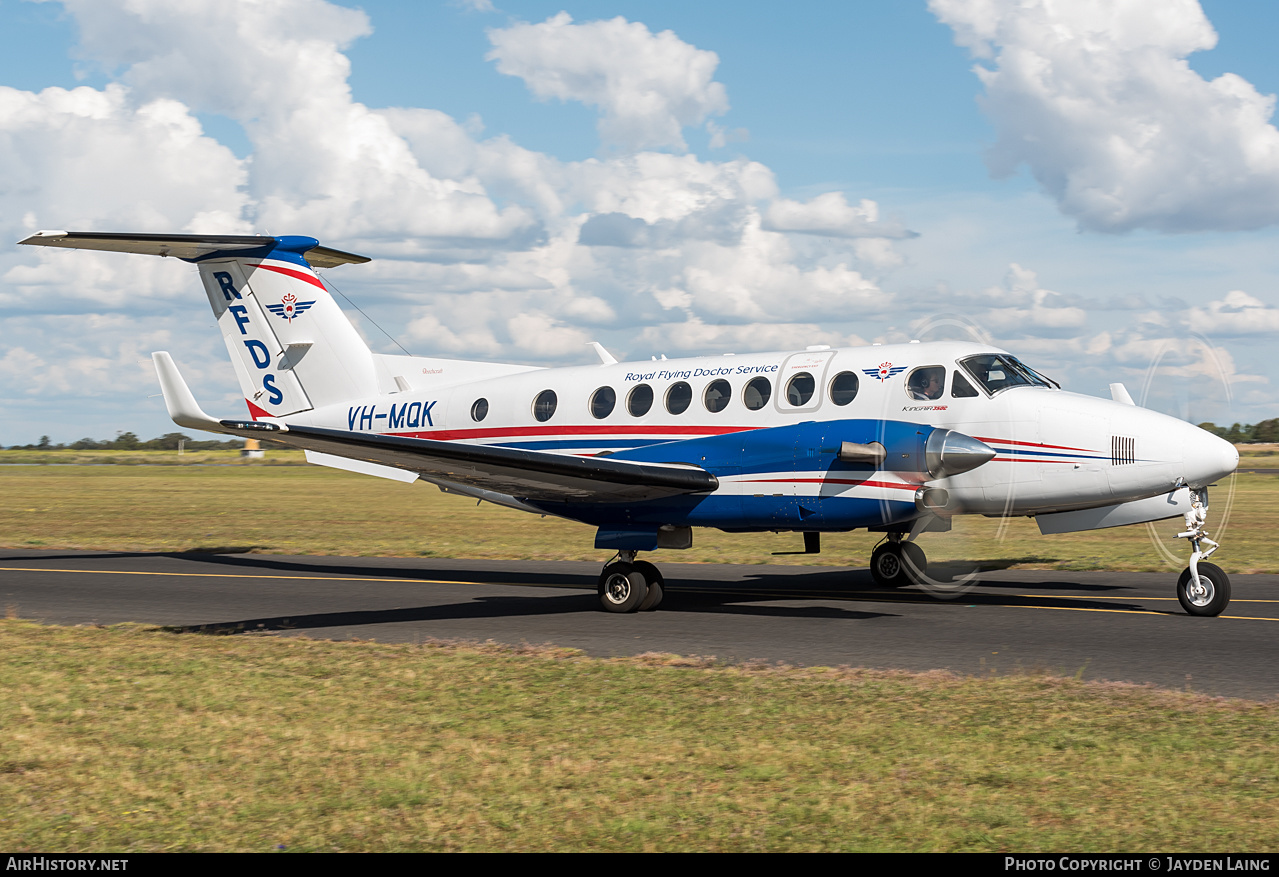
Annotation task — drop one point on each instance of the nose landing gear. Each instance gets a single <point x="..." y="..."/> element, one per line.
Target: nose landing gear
<point x="630" y="585"/>
<point x="1203" y="588"/>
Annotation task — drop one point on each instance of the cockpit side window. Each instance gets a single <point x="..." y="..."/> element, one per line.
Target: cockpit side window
<point x="959" y="386"/>
<point x="997" y="371"/>
<point x="926" y="383"/>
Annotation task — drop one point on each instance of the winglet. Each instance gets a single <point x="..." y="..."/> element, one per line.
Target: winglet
<point x="182" y="406"/>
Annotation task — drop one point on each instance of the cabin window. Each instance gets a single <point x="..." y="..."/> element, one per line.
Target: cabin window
<point x="480" y="410"/>
<point x="678" y="397"/>
<point x="640" y="400"/>
<point x="799" y="389"/>
<point x="602" y="402"/>
<point x="757" y="393"/>
<point x="843" y="389"/>
<point x="544" y="406"/>
<point x="927" y="383"/>
<point x="959" y="386"/>
<point x="717" y="395"/>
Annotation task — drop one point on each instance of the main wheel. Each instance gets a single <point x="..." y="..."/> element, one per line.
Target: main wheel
<point x="656" y="585"/>
<point x="1210" y="596"/>
<point x="622" y="588"/>
<point x="888" y="565"/>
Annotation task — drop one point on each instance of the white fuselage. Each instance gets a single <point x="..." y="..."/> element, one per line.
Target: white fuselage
<point x="1056" y="450"/>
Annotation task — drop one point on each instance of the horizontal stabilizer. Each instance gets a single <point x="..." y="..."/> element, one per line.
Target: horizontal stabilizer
<point x="182" y="246"/>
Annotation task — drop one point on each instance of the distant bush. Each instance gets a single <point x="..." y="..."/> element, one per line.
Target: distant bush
<point x="1248" y="433"/>
<point x="128" y="441"/>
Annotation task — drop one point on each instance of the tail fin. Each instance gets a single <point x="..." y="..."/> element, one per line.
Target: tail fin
<point x="292" y="347"/>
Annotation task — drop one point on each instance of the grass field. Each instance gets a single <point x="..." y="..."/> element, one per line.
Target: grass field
<point x="126" y="739"/>
<point x="215" y="501"/>
<point x="133" y="739"/>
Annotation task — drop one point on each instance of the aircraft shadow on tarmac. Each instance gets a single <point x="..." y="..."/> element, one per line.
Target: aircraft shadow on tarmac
<point x="757" y="591"/>
<point x="765" y="595"/>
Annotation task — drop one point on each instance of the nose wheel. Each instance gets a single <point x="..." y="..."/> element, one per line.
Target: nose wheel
<point x="1206" y="594"/>
<point x="629" y="585"/>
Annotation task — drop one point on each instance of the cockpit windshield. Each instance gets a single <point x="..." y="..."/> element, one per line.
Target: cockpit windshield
<point x="999" y="371"/>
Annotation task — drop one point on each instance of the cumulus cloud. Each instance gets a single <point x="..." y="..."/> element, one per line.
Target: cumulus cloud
<point x="831" y="215"/>
<point x="1238" y="314"/>
<point x="84" y="155"/>
<point x="1095" y="97"/>
<point x="648" y="86"/>
<point x="321" y="159"/>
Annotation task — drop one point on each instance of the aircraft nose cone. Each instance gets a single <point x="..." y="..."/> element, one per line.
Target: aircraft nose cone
<point x="1208" y="458"/>
<point x="949" y="453"/>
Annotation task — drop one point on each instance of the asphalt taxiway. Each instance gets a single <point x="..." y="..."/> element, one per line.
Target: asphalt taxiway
<point x="1097" y="625"/>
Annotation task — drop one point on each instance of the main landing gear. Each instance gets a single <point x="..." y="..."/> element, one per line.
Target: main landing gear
<point x="630" y="585"/>
<point x="897" y="563"/>
<point x="1203" y="588"/>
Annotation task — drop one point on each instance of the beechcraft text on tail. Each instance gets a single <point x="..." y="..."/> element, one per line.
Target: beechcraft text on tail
<point x="897" y="439"/>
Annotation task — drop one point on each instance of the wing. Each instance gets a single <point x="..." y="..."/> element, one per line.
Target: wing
<point x="509" y="472"/>
<point x="532" y="475"/>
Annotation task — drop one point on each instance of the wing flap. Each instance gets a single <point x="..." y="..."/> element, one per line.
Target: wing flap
<point x="532" y="475"/>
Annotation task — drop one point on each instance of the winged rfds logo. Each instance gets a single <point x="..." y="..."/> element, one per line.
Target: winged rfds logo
<point x="885" y="371"/>
<point x="289" y="307"/>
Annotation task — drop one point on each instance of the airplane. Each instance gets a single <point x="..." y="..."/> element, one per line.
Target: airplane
<point x="894" y="438"/>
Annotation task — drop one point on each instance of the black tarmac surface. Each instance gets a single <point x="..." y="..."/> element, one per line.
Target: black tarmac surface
<point x="1115" y="626"/>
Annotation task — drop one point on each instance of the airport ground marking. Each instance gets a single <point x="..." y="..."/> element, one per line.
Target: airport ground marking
<point x="215" y="575"/>
<point x="765" y="594"/>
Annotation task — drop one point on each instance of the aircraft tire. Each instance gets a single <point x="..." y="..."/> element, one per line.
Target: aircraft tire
<point x="622" y="588"/>
<point x="1213" y="600"/>
<point x="888" y="567"/>
<point x="656" y="585"/>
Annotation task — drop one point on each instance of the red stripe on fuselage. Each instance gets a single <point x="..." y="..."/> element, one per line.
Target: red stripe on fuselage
<point x="560" y="432"/>
<point x="1032" y="444"/>
<point x="294" y="273"/>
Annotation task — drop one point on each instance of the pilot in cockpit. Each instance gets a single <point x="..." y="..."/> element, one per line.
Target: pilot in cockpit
<point x="927" y="383"/>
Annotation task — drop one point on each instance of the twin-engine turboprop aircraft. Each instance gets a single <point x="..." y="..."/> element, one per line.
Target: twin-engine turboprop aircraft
<point x="896" y="438"/>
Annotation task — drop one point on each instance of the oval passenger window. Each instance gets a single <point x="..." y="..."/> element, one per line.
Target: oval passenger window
<point x="640" y="400"/>
<point x="757" y="393"/>
<point x="717" y="395"/>
<point x="843" y="389"/>
<point x="544" y="406"/>
<point x="480" y="410"/>
<point x="602" y="402"/>
<point x="799" y="389"/>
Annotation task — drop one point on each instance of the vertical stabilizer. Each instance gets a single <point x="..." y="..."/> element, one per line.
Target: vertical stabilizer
<point x="292" y="347"/>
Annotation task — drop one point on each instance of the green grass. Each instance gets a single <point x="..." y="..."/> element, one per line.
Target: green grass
<point x="131" y="739"/>
<point x="273" y="506"/>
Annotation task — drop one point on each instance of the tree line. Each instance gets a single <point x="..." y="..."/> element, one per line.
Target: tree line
<point x="1248" y="433"/>
<point x="128" y="441"/>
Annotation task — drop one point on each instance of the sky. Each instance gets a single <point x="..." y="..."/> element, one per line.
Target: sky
<point x="1093" y="185"/>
